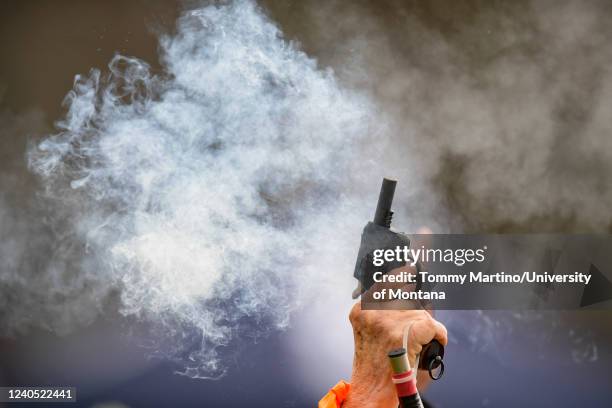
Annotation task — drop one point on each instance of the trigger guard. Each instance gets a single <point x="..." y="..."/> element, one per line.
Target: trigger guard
<point x="430" y="368"/>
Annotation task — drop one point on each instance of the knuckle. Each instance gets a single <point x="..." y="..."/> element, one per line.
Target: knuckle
<point x="424" y="315"/>
<point x="355" y="314"/>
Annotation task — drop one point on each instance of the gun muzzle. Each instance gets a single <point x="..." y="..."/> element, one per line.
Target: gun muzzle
<point x="383" y="213"/>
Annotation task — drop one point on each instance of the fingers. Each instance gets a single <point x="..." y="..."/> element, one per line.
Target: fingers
<point x="391" y="323"/>
<point x="378" y="331"/>
<point x="441" y="333"/>
<point x="424" y="330"/>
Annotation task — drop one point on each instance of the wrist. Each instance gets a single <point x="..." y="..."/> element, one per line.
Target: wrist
<point x="369" y="396"/>
<point x="371" y="387"/>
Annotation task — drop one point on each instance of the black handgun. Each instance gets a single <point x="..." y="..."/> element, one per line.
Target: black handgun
<point x="377" y="234"/>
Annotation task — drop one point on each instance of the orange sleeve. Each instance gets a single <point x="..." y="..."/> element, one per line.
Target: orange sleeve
<point x="336" y="396"/>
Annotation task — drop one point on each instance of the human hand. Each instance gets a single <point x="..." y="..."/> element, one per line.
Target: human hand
<point x="376" y="332"/>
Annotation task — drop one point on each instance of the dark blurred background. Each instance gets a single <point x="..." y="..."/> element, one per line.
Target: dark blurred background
<point x="509" y="109"/>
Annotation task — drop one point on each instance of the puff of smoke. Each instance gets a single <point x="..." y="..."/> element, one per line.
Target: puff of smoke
<point x="195" y="194"/>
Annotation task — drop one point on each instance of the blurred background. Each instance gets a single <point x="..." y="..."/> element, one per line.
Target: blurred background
<point x="500" y="109"/>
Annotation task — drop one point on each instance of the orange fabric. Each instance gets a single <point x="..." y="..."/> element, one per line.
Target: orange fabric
<point x="336" y="396"/>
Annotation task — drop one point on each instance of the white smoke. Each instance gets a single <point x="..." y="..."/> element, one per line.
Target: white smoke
<point x="202" y="199"/>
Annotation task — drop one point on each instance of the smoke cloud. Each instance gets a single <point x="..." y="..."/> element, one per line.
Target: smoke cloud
<point x="195" y="199"/>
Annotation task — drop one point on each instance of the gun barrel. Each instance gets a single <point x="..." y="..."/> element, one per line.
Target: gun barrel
<point x="383" y="213"/>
